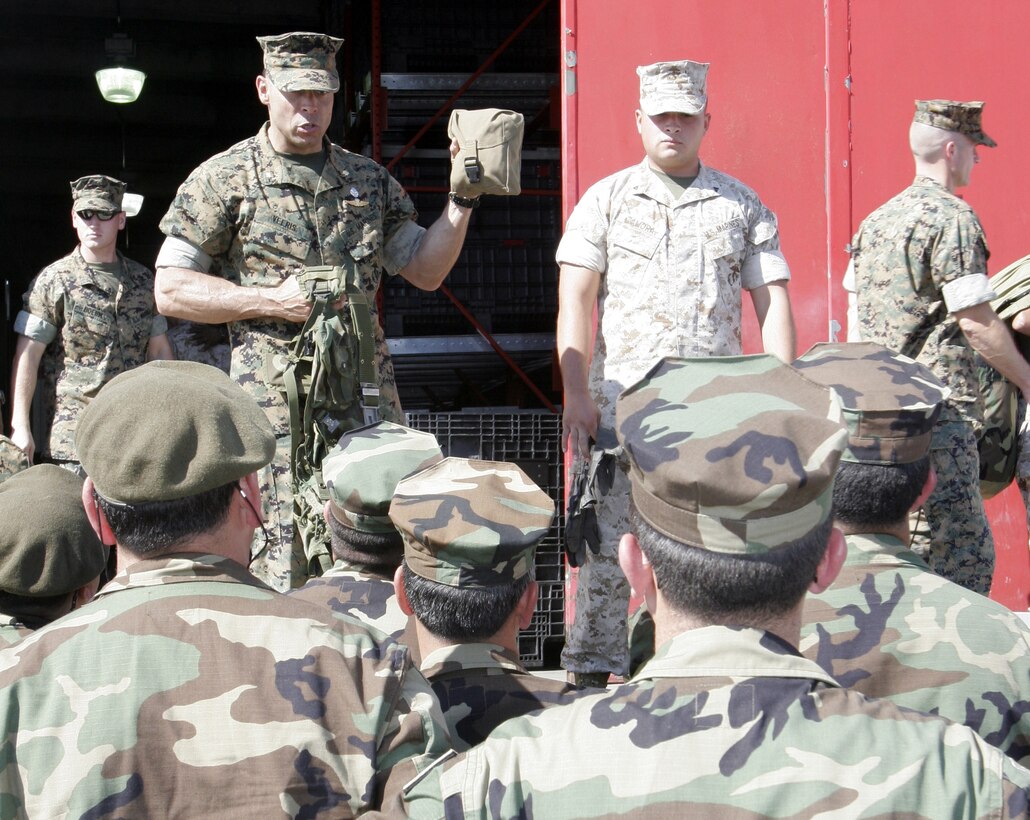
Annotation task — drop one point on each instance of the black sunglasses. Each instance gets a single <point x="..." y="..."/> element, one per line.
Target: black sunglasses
<point x="103" y="216"/>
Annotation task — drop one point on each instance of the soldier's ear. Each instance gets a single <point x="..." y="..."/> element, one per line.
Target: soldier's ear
<point x="402" y="592"/>
<point x="261" y="84"/>
<point x="527" y="603"/>
<point x="637" y="569"/>
<point x="96" y="517"/>
<point x="831" y="563"/>
<point x="928" y="487"/>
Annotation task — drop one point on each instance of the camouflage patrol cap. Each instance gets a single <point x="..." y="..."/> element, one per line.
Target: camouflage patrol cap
<point x="963" y="117"/>
<point x="98" y="193"/>
<point x="168" y="430"/>
<point x="890" y="402"/>
<point x="471" y="523"/>
<point x="361" y="472"/>
<point x="676" y="86"/>
<point x="734" y="454"/>
<point x="47" y="546"/>
<point x="302" y="61"/>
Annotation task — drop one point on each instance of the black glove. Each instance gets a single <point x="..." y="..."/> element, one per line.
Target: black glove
<point x="590" y="484"/>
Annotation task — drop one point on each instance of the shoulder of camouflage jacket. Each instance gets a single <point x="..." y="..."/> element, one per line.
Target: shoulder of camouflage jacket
<point x="781" y="747"/>
<point x="264" y="698"/>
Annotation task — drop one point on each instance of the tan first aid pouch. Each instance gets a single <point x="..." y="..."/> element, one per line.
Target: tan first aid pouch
<point x="489" y="159"/>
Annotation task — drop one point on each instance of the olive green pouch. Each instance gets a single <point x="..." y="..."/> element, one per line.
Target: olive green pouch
<point x="489" y="159"/>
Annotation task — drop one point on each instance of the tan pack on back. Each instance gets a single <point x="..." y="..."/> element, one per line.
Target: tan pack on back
<point x="489" y="159"/>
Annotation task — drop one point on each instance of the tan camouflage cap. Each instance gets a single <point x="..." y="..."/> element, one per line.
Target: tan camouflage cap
<point x="471" y="523"/>
<point x="97" y="193"/>
<point x="47" y="546"/>
<point x="302" y="61"/>
<point x="890" y="402"/>
<point x="168" y="430"/>
<point x="733" y="454"/>
<point x="677" y="86"/>
<point x="963" y="117"/>
<point x="361" y="472"/>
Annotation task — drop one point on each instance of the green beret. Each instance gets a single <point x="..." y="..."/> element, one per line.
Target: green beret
<point x="890" y="402"/>
<point x="734" y="454"/>
<point x="471" y="523"/>
<point x="361" y="472"/>
<point x="47" y="546"/>
<point x="169" y="430"/>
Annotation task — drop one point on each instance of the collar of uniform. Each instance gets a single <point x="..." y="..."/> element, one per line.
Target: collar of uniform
<point x="180" y="568"/>
<point x="273" y="171"/>
<point x="482" y="657"/>
<point x="926" y="182"/>
<point x="730" y="652"/>
<point x="346" y="569"/>
<point x="648" y="184"/>
<point x="870" y="548"/>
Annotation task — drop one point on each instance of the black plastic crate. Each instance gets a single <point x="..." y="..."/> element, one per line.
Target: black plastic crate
<point x="531" y="439"/>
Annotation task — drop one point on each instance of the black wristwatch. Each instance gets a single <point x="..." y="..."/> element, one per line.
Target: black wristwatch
<point x="463" y="202"/>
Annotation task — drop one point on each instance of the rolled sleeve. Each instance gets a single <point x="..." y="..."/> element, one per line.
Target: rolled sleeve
<point x="177" y="252"/>
<point x="402" y="246"/>
<point x="762" y="268"/>
<point x="576" y="249"/>
<point x="966" y="292"/>
<point x="39" y="330"/>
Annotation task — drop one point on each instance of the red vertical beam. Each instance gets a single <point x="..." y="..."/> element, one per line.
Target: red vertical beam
<point x="570" y="196"/>
<point x="838" y="171"/>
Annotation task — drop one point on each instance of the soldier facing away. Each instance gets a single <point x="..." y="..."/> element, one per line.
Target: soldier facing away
<point x="663" y="251"/>
<point x="732" y="465"/>
<point x="918" y="283"/>
<point x="87" y="318"/>
<point x="888" y="626"/>
<point x="215" y="695"/>
<point x="361" y="474"/>
<point x="282" y="204"/>
<point x="50" y="558"/>
<point x="470" y="531"/>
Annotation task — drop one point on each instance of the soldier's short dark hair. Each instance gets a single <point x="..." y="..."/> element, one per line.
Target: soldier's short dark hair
<point x="724" y="588"/>
<point x="374" y="550"/>
<point x="877" y="495"/>
<point x="462" y="613"/>
<point x="154" y="527"/>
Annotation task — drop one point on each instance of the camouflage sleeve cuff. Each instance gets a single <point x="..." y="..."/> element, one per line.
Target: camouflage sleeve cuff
<point x="39" y="330"/>
<point x="763" y="267"/>
<point x="966" y="292"/>
<point x="575" y="249"/>
<point x="177" y="252"/>
<point x="401" y="247"/>
<point x="159" y="326"/>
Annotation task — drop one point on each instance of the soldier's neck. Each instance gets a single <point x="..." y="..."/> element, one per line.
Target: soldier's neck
<point x="899" y="530"/>
<point x="99" y="256"/>
<point x="937" y="171"/>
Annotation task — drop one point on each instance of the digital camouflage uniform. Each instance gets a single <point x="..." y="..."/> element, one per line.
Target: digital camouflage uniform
<point x="888" y="626"/>
<point x="735" y="456"/>
<point x="255" y="215"/>
<point x="12" y="458"/>
<point x="214" y="691"/>
<point x="361" y="473"/>
<point x="672" y="273"/>
<point x="481" y="685"/>
<point x="96" y="321"/>
<point x="904" y="254"/>
<point x="197" y="342"/>
<point x="474" y="525"/>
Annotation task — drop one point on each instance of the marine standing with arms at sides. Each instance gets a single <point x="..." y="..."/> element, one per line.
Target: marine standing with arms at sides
<point x="663" y="250"/>
<point x="87" y="318"/>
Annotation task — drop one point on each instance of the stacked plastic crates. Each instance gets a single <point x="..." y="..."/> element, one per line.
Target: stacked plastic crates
<point x="531" y="439"/>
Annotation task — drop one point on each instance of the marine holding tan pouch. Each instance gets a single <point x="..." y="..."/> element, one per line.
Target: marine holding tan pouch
<point x="489" y="159"/>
